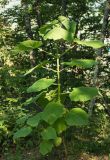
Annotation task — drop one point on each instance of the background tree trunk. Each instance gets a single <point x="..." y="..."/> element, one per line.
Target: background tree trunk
<point x="29" y="33"/>
<point x="99" y="51"/>
<point x="64" y="7"/>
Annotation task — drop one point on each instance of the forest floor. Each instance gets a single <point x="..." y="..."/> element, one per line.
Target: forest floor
<point x="83" y="157"/>
<point x="33" y="155"/>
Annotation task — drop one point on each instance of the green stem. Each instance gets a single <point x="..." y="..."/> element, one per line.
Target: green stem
<point x="65" y="149"/>
<point x="58" y="76"/>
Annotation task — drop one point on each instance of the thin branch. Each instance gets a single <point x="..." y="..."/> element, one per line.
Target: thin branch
<point x="49" y="69"/>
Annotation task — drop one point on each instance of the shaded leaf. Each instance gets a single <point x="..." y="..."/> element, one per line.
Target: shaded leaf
<point x="45" y="147"/>
<point x="77" y="117"/>
<point x="42" y="100"/>
<point x="34" y="121"/>
<point x="22" y="120"/>
<point x="52" y="112"/>
<point x="83" y="94"/>
<point x="41" y="84"/>
<point x="23" y="132"/>
<point x="60" y="126"/>
<point x="49" y="133"/>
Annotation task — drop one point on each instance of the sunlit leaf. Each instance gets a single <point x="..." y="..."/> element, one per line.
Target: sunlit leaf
<point x="28" y="45"/>
<point x="77" y="117"/>
<point x="58" y="141"/>
<point x="69" y="25"/>
<point x="62" y="28"/>
<point x="47" y="27"/>
<point x="95" y="44"/>
<point x="40" y="85"/>
<point x="83" y="94"/>
<point x="58" y="33"/>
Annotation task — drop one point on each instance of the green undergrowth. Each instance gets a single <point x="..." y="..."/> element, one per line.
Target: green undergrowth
<point x="90" y="141"/>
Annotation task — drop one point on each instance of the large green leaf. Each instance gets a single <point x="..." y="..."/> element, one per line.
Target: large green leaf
<point x="40" y="85"/>
<point x="47" y="27"/>
<point x="34" y="121"/>
<point x="95" y="44"/>
<point x="23" y="132"/>
<point x="45" y="147"/>
<point x="77" y="117"/>
<point x="83" y="63"/>
<point x="28" y="45"/>
<point x="69" y="25"/>
<point x="49" y="133"/>
<point x="83" y="94"/>
<point x="52" y="112"/>
<point x="62" y="28"/>
<point x="58" y="33"/>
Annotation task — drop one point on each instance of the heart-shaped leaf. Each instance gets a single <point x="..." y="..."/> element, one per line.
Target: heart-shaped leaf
<point x="77" y="117"/>
<point x="45" y="147"/>
<point x="52" y="112"/>
<point x="83" y="94"/>
<point x="49" y="133"/>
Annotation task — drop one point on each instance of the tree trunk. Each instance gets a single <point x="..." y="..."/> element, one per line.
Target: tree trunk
<point x="27" y="21"/>
<point x="99" y="51"/>
<point x="64" y="7"/>
<point x="36" y="8"/>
